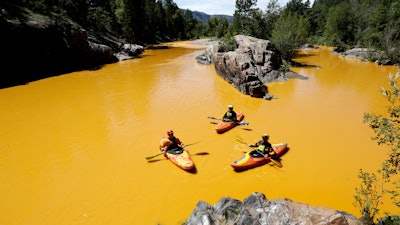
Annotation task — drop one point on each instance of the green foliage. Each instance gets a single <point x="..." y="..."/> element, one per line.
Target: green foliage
<point x="368" y="196"/>
<point x="289" y="33"/>
<point x="270" y="17"/>
<point x="387" y="132"/>
<point x="246" y="17"/>
<point x="217" y="27"/>
<point x="285" y="67"/>
<point x="341" y="23"/>
<point x="389" y="220"/>
<point x="339" y="27"/>
<point x="227" y="43"/>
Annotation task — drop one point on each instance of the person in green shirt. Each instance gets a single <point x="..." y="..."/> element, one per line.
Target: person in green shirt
<point x="263" y="146"/>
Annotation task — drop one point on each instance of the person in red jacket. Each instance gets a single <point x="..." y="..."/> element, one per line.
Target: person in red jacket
<point x="171" y="142"/>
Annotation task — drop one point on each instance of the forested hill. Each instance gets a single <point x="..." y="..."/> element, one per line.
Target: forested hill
<point x="203" y="17"/>
<point x="345" y="24"/>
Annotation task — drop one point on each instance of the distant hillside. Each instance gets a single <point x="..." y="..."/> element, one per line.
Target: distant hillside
<point x="204" y="17"/>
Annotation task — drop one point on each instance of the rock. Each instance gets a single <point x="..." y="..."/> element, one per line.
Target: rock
<point x="252" y="64"/>
<point x="50" y="46"/>
<point x="384" y="62"/>
<point x="129" y="51"/>
<point x="366" y="55"/>
<point x="257" y="210"/>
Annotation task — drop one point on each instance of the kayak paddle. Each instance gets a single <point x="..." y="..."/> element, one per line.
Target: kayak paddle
<point x="153" y="156"/>
<point x="239" y="123"/>
<point x="199" y="153"/>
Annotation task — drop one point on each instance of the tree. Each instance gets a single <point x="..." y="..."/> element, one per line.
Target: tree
<point x="387" y="132"/>
<point x="339" y="27"/>
<point x="289" y="33"/>
<point x="243" y="16"/>
<point x="270" y="17"/>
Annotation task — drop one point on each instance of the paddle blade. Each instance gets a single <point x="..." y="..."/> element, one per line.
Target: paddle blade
<point x="202" y="153"/>
<point x="277" y="163"/>
<point x="248" y="129"/>
<point x="213" y="118"/>
<point x="240" y="140"/>
<point x="153" y="156"/>
<point x="243" y="123"/>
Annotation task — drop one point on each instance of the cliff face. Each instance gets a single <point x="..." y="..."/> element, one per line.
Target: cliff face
<point x="258" y="210"/>
<point x="35" y="46"/>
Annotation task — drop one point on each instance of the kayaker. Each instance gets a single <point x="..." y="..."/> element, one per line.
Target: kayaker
<point x="230" y="115"/>
<point x="170" y="143"/>
<point x="264" y="146"/>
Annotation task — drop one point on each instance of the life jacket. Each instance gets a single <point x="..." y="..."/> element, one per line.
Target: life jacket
<point x="165" y="142"/>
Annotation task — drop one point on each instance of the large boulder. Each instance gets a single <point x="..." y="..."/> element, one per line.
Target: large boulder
<point x="257" y="210"/>
<point x="253" y="63"/>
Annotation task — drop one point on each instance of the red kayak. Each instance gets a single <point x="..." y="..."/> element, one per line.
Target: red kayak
<point x="225" y="126"/>
<point x="255" y="158"/>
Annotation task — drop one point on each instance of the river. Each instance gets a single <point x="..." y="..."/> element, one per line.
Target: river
<point x="73" y="147"/>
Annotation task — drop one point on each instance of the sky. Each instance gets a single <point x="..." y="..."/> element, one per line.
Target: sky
<point x="225" y="7"/>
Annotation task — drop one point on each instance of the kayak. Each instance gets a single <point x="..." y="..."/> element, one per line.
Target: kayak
<point x="177" y="156"/>
<point x="225" y="126"/>
<point x="181" y="158"/>
<point x="255" y="158"/>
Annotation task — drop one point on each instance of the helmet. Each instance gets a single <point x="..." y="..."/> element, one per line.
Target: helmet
<point x="169" y="132"/>
<point x="265" y="135"/>
<point x="230" y="106"/>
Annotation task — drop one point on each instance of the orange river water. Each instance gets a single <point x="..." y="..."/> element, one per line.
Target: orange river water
<point x="73" y="147"/>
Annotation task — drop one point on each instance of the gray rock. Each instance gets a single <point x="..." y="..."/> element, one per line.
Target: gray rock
<point x="129" y="51"/>
<point x="257" y="210"/>
<point x="252" y="64"/>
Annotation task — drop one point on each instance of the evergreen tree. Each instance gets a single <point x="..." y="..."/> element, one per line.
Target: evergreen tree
<point x="339" y="27"/>
<point x="270" y="17"/>
<point x="289" y="33"/>
<point x="243" y="16"/>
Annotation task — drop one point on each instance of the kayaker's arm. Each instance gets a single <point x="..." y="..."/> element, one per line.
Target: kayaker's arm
<point x="163" y="149"/>
<point x="255" y="145"/>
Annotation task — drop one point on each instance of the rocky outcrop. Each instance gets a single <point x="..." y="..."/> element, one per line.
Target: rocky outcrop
<point x="129" y="51"/>
<point x="37" y="46"/>
<point x="365" y="54"/>
<point x="253" y="63"/>
<point x="257" y="210"/>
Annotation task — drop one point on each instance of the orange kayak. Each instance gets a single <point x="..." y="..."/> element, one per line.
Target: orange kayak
<point x="254" y="158"/>
<point x="225" y="126"/>
<point x="181" y="158"/>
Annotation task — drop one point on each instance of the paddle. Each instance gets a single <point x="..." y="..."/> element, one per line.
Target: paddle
<point x="272" y="160"/>
<point x="153" y="156"/>
<point x="199" y="153"/>
<point x="248" y="129"/>
<point x="239" y="123"/>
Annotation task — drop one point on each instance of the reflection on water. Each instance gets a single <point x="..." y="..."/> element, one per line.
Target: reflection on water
<point x="73" y="147"/>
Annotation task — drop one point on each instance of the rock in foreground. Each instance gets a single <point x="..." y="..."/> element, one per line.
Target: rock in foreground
<point x="257" y="210"/>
